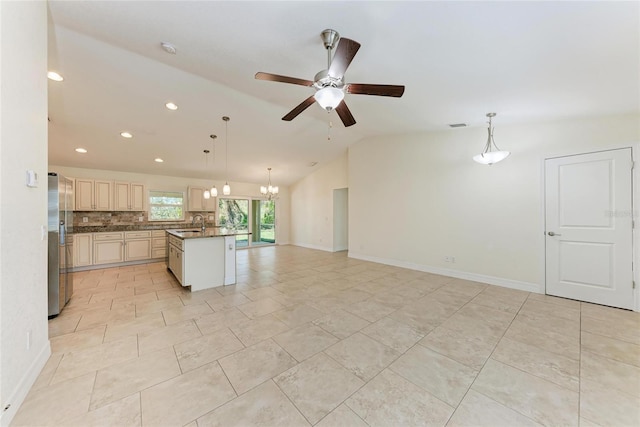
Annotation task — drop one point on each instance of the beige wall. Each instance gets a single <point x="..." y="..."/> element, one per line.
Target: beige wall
<point x="23" y="248"/>
<point x="170" y="183"/>
<point x="312" y="205"/>
<point x="414" y="199"/>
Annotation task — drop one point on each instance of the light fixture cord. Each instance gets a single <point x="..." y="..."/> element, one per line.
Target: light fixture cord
<point x="226" y="148"/>
<point x="329" y="131"/>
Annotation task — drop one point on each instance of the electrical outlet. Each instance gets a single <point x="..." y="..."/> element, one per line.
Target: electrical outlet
<point x="448" y="258"/>
<point x="211" y="218"/>
<point x="190" y="218"/>
<point x="140" y="218"/>
<point x="85" y="219"/>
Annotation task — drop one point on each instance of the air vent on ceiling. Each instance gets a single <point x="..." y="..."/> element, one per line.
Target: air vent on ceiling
<point x="458" y="125"/>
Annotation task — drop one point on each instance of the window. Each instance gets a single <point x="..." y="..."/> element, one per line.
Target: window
<point x="166" y="206"/>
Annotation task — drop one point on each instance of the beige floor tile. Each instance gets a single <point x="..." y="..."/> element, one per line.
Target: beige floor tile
<point x="493" y="316"/>
<point x="186" y="397"/>
<point x="478" y="410"/>
<point x="560" y="370"/>
<point x="261" y="293"/>
<point x="542" y="308"/>
<point x="391" y="400"/>
<point x="305" y="341"/>
<point x="465" y="287"/>
<point x="122" y="413"/>
<point x="117" y="381"/>
<point x="252" y="366"/>
<point x="165" y="336"/>
<point x="227" y="301"/>
<point x="565" y="302"/>
<point x="317" y="386"/>
<point x="44" y="379"/>
<point x="157" y="306"/>
<point x="447" y="297"/>
<point x="473" y="325"/>
<point x="370" y="310"/>
<point x="260" y="308"/>
<point x="264" y="405"/>
<point x="63" y="325"/>
<point x="120" y="329"/>
<point x="538" y="399"/>
<point x="80" y="362"/>
<point x="610" y="374"/>
<point x="342" y="416"/>
<point x="77" y="340"/>
<point x="607" y="407"/>
<point x="341" y="324"/>
<point x="255" y="330"/>
<point x="613" y="327"/>
<point x="530" y="333"/>
<point x="559" y="325"/>
<point x="296" y="315"/>
<point x="363" y="356"/>
<point x="498" y="303"/>
<point x="56" y="404"/>
<point x="394" y="334"/>
<point x="424" y="315"/>
<point x="505" y="293"/>
<point x="209" y="323"/>
<point x="188" y="312"/>
<point x="471" y="350"/>
<point x="444" y="378"/>
<point x="630" y="318"/>
<point x="610" y="348"/>
<point x="205" y="349"/>
<point x="95" y="318"/>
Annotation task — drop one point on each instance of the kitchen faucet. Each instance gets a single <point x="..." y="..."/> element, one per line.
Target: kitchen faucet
<point x="202" y="218"/>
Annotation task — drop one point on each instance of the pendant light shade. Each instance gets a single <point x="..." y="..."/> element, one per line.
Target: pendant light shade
<point x="329" y="97"/>
<point x="207" y="194"/>
<point x="226" y="189"/>
<point x="491" y="153"/>
<point x="214" y="191"/>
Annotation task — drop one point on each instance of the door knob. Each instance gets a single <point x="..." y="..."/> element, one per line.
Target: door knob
<point x="551" y="233"/>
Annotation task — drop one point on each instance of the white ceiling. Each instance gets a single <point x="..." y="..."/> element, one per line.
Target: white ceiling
<point x="527" y="61"/>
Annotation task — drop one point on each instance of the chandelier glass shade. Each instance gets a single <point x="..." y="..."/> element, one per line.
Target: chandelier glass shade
<point x="491" y="153"/>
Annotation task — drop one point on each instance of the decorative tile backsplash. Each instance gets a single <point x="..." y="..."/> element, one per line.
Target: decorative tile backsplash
<point x="96" y="219"/>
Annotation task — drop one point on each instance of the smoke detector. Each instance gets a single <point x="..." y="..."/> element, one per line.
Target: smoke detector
<point x="168" y="47"/>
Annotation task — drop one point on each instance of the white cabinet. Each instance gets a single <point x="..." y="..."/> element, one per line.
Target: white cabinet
<point x="93" y="195"/>
<point x="137" y="245"/>
<point x="128" y="196"/>
<point x="158" y="244"/>
<point x="176" y="262"/>
<point x="82" y="249"/>
<point x="197" y="202"/>
<point x="108" y="248"/>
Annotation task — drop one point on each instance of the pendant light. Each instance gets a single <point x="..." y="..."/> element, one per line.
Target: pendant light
<point x="207" y="194"/>
<point x="491" y="154"/>
<point x="226" y="189"/>
<point x="269" y="190"/>
<point x="214" y="191"/>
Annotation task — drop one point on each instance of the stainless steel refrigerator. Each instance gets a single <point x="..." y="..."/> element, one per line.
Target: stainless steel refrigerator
<point x="60" y="226"/>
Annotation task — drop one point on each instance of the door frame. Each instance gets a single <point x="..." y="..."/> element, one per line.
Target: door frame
<point x="250" y="219"/>
<point x="635" y="197"/>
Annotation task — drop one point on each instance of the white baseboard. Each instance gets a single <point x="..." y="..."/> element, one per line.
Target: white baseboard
<point x="29" y="378"/>
<point x="491" y="280"/>
<point x="309" y="246"/>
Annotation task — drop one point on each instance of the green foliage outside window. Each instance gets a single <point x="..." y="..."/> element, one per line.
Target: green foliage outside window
<point x="166" y="206"/>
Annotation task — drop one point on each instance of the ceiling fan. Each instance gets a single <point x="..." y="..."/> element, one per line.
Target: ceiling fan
<point x="329" y="84"/>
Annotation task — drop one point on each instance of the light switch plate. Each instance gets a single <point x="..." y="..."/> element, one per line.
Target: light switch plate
<point x="32" y="179"/>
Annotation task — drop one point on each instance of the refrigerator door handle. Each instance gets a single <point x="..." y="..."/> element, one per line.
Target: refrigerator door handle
<point x="62" y="233"/>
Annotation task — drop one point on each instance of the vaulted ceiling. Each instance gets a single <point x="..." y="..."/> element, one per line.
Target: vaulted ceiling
<point x="527" y="61"/>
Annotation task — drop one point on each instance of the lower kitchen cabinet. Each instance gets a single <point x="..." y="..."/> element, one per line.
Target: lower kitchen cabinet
<point x="108" y="248"/>
<point x="137" y="245"/>
<point x="82" y="249"/>
<point x="158" y="244"/>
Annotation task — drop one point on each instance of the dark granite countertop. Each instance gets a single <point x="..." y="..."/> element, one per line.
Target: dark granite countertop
<point x="78" y="229"/>
<point x="209" y="232"/>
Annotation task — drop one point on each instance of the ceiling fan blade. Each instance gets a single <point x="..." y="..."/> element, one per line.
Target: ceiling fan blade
<point x="345" y="114"/>
<point x="345" y="52"/>
<point x="299" y="109"/>
<point x="283" y="79"/>
<point x="379" y="90"/>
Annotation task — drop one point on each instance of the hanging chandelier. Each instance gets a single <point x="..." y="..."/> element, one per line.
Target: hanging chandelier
<point x="226" y="189"/>
<point x="491" y="154"/>
<point x="269" y="190"/>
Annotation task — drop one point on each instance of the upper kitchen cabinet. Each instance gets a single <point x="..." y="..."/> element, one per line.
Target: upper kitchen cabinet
<point x="128" y="196"/>
<point x="197" y="202"/>
<point x="93" y="195"/>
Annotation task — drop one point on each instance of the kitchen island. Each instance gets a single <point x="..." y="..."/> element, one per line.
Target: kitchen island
<point x="203" y="259"/>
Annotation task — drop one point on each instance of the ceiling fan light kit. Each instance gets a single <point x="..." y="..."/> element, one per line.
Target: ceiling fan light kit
<point x="491" y="153"/>
<point x="329" y="84"/>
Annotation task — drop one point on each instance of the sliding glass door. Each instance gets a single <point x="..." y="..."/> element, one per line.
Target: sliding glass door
<point x="246" y="214"/>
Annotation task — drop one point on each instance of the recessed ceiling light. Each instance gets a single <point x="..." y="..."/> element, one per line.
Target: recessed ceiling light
<point x="168" y="47"/>
<point x="52" y="75"/>
<point x="171" y="106"/>
<point x="126" y="135"/>
<point x="159" y="160"/>
<point x="81" y="150"/>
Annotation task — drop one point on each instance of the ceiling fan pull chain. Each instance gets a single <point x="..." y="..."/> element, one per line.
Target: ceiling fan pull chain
<point x="329" y="131"/>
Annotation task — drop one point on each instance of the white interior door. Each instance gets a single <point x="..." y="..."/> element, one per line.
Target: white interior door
<point x="589" y="215"/>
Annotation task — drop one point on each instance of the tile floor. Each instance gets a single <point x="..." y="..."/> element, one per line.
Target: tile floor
<point x="316" y="338"/>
